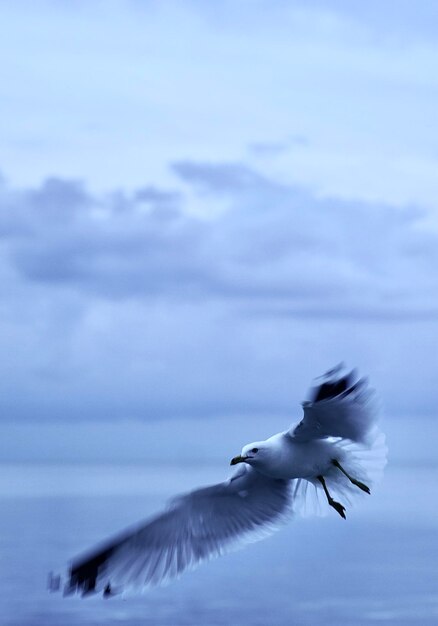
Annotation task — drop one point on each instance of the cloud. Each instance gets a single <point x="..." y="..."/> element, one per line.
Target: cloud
<point x="220" y="177"/>
<point x="274" y="246"/>
<point x="268" y="149"/>
<point x="129" y="305"/>
<point x="157" y="197"/>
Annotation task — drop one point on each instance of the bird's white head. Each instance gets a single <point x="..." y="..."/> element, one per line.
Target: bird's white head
<point x="257" y="454"/>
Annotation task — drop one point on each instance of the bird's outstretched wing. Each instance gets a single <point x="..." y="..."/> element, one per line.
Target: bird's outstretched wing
<point x="195" y="527"/>
<point x="341" y="405"/>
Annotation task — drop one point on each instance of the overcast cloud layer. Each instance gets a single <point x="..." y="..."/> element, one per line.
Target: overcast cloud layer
<point x="205" y="205"/>
<point x="127" y="305"/>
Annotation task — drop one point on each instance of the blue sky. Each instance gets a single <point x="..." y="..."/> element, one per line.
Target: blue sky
<point x="204" y="206"/>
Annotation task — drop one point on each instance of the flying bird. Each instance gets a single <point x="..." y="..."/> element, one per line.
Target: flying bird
<point x="333" y="453"/>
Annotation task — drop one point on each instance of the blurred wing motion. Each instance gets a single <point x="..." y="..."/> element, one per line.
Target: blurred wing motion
<point x="196" y="526"/>
<point x="340" y="406"/>
<point x="343" y="409"/>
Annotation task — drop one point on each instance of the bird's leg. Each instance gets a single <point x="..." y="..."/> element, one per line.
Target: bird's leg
<point x="336" y="505"/>
<point x="358" y="483"/>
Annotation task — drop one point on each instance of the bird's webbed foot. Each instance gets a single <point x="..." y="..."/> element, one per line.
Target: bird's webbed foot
<point x="361" y="485"/>
<point x="336" y="505"/>
<point x="353" y="481"/>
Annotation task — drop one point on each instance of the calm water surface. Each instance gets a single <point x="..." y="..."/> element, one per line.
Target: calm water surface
<point x="378" y="567"/>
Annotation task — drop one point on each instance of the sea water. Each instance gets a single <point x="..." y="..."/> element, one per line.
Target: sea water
<point x="380" y="566"/>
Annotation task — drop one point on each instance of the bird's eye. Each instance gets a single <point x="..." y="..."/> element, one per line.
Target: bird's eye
<point x="255" y="450"/>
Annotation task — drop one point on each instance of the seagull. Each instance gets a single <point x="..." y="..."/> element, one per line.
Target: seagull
<point x="332" y="454"/>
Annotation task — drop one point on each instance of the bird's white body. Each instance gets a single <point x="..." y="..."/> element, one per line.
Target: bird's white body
<point x="289" y="459"/>
<point x="335" y="447"/>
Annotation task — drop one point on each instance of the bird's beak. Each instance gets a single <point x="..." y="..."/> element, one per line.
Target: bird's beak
<point x="238" y="459"/>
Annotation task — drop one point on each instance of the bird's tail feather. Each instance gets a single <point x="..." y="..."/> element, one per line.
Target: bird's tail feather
<point x="364" y="463"/>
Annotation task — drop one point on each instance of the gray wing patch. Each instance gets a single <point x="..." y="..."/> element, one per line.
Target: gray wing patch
<point x="197" y="526"/>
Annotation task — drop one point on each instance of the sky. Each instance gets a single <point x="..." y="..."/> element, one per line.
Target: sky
<point x="205" y="205"/>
